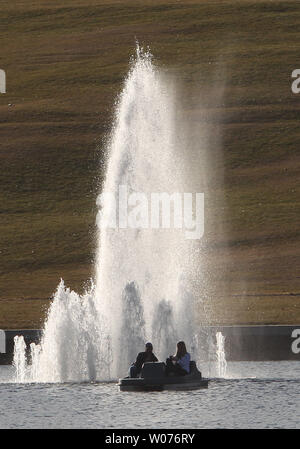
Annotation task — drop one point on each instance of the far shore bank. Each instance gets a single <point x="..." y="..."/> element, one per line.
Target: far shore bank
<point x="62" y="86"/>
<point x="247" y="309"/>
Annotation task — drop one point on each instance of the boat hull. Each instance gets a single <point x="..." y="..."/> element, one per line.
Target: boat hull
<point x="161" y="387"/>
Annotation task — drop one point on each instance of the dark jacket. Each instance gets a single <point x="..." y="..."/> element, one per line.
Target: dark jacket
<point x="144" y="357"/>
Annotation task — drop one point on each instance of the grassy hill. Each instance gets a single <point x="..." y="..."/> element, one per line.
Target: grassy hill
<point x="65" y="63"/>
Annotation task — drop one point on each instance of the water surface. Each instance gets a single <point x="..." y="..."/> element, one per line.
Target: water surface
<point x="255" y="395"/>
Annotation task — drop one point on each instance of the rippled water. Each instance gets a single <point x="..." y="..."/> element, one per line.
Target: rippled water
<point x="255" y="395"/>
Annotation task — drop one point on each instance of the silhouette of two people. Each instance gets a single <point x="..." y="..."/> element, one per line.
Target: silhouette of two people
<point x="177" y="364"/>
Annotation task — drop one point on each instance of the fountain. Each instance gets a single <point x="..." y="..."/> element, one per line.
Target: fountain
<point x="144" y="277"/>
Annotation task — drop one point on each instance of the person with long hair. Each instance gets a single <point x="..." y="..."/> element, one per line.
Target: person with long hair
<point x="179" y="364"/>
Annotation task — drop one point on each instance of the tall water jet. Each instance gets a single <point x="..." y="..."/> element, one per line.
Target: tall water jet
<point x="221" y="357"/>
<point x="19" y="360"/>
<point x="147" y="155"/>
<point x="144" y="276"/>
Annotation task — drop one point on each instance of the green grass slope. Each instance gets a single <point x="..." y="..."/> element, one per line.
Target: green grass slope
<point x="65" y="64"/>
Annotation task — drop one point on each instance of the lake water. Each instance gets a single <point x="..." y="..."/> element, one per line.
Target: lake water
<point x="253" y="395"/>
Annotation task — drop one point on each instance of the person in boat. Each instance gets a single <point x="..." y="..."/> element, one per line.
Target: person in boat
<point x="142" y="357"/>
<point x="179" y="364"/>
